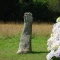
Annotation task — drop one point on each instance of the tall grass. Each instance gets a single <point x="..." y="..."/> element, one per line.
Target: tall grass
<point x="42" y="29"/>
<point x="9" y="29"/>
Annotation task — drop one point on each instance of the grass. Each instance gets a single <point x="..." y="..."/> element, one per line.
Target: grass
<point x="14" y="29"/>
<point x="9" y="42"/>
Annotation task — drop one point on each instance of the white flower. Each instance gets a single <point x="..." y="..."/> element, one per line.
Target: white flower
<point x="56" y="27"/>
<point x="57" y="53"/>
<point x="54" y="41"/>
<point x="49" y="43"/>
<point x="59" y="48"/>
<point x="52" y="35"/>
<point x="50" y="55"/>
<point x="50" y="40"/>
<point x="55" y="45"/>
<point x="58" y="19"/>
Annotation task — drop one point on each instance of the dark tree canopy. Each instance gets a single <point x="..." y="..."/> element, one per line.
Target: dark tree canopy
<point x="27" y="1"/>
<point x="13" y="10"/>
<point x="8" y="9"/>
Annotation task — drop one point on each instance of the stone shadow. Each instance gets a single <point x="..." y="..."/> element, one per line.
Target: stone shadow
<point x="35" y="52"/>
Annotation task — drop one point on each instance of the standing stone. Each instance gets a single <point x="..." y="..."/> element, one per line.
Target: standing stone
<point x="25" y="41"/>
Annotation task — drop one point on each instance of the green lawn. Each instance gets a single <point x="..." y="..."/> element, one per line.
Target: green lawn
<point x="9" y="47"/>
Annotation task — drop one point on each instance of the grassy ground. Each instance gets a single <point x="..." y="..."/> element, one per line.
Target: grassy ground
<point x="9" y="41"/>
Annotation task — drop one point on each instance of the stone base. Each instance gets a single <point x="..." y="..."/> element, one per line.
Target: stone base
<point x="22" y="52"/>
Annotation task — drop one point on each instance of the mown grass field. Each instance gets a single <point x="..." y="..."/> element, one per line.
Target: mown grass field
<point x="10" y="37"/>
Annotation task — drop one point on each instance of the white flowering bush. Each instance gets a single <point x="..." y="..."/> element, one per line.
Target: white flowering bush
<point x="53" y="42"/>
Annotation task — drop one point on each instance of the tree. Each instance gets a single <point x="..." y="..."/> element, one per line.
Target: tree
<point x="26" y="1"/>
<point x="9" y="9"/>
<point x="54" y="5"/>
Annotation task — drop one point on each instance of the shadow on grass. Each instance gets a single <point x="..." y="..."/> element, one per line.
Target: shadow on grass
<point x="35" y="52"/>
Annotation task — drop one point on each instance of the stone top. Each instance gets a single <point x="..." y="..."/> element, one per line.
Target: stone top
<point x="28" y="17"/>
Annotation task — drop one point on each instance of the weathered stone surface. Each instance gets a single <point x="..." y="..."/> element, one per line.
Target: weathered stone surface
<point x="25" y="41"/>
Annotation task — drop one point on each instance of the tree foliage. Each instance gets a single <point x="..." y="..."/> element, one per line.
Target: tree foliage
<point x="8" y="9"/>
<point x="54" y="5"/>
<point x="13" y="10"/>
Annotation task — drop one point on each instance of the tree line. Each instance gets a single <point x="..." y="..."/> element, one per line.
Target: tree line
<point x="13" y="10"/>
